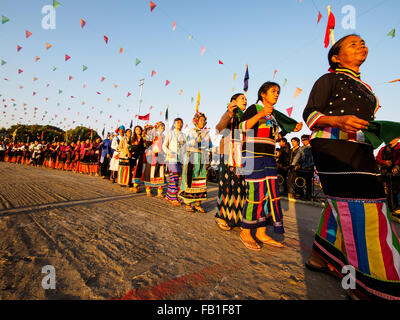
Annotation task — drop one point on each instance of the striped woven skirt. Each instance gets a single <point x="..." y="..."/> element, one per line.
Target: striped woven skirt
<point x="262" y="206"/>
<point x="231" y="194"/>
<point x="124" y="172"/>
<point x="175" y="170"/>
<point x="355" y="227"/>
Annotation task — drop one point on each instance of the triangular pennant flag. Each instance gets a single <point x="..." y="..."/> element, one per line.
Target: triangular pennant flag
<point x="234" y="76"/>
<point x="128" y="94"/>
<point x="67" y="57"/>
<point x="19" y="48"/>
<point x="4" y="19"/>
<point x="180" y="92"/>
<point x="284" y="82"/>
<point x="83" y="23"/>
<point x="3" y="62"/>
<point x="329" y="35"/>
<point x="121" y="50"/>
<point x="84" y="68"/>
<point x="59" y="91"/>
<point x="27" y="34"/>
<point x="274" y="74"/>
<point x="115" y="86"/>
<point x="319" y="17"/>
<point x="102" y="79"/>
<point x="48" y="46"/>
<point x="297" y="92"/>
<point x="152" y="6"/>
<point x="392" y="33"/>
<point x="138" y="61"/>
<point x="56" y="4"/>
<point x="289" y="111"/>
<point x="20" y="71"/>
<point x="203" y="49"/>
<point x="37" y="59"/>
<point x="190" y="37"/>
<point x="106" y="39"/>
<point x="167" y="82"/>
<point x="34" y="78"/>
<point x="54" y="68"/>
<point x="153" y="73"/>
<point x="70" y="77"/>
<point x="220" y="62"/>
<point x="173" y="26"/>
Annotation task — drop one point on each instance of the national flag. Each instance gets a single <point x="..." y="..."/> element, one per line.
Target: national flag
<point x="329" y="28"/>
<point x="146" y="117"/>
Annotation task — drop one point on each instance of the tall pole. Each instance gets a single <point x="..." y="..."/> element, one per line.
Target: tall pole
<point x="141" y="83"/>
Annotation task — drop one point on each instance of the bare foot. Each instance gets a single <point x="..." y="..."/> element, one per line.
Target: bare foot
<point x="316" y="261"/>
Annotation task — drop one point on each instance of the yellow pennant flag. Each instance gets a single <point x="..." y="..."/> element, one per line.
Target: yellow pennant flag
<point x="198" y="101"/>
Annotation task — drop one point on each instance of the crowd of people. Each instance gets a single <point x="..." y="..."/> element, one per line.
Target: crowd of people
<point x="355" y="227"/>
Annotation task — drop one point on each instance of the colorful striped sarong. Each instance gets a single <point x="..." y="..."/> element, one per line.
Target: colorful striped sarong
<point x="124" y="172"/>
<point x="175" y="170"/>
<point x="355" y="227"/>
<point x="263" y="205"/>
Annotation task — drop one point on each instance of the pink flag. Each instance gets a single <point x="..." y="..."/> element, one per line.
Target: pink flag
<point x="19" y="71"/>
<point x="153" y="73"/>
<point x="220" y="62"/>
<point x="102" y="79"/>
<point x="106" y="39"/>
<point x="203" y="49"/>
<point x="28" y="34"/>
<point x="297" y="92"/>
<point x="83" y="23"/>
<point x="289" y="111"/>
<point x="173" y="26"/>
<point x="67" y="57"/>
<point x="19" y="48"/>
<point x="167" y="83"/>
<point x="70" y="77"/>
<point x="128" y="94"/>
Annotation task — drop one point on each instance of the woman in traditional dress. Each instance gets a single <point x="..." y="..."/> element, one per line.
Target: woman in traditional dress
<point x="137" y="158"/>
<point x="173" y="149"/>
<point x="193" y="188"/>
<point x="77" y="157"/>
<point x="124" y="168"/>
<point x="355" y="229"/>
<point x="154" y="169"/>
<point x="94" y="158"/>
<point x="260" y="124"/>
<point x="115" y="157"/>
<point x="231" y="184"/>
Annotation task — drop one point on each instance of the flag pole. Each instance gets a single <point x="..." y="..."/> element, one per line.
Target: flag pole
<point x="141" y="83"/>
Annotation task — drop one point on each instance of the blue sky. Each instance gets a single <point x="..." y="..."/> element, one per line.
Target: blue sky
<point x="267" y="35"/>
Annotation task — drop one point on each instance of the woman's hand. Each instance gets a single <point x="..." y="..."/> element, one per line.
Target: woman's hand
<point x="266" y="111"/>
<point x="231" y="108"/>
<point x="298" y="127"/>
<point x="350" y="124"/>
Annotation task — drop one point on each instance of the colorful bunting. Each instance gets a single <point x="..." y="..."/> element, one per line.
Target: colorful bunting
<point x="152" y="6"/>
<point x="180" y="92"/>
<point x="284" y="82"/>
<point x="319" y="17"/>
<point x="3" y="62"/>
<point x="70" y="77"/>
<point x="297" y="92"/>
<point x="121" y="50"/>
<point x="392" y="33"/>
<point x="138" y="61"/>
<point x="84" y="68"/>
<point x="190" y="37"/>
<point x="19" y="48"/>
<point x="106" y="39"/>
<point x="27" y="34"/>
<point x="19" y="71"/>
<point x="128" y="94"/>
<point x="4" y="19"/>
<point x="54" y="68"/>
<point x="153" y="73"/>
<point x="67" y="57"/>
<point x="48" y="46"/>
<point x="274" y="74"/>
<point x="167" y="82"/>
<point x="173" y="26"/>
<point x="102" y="79"/>
<point x="34" y="78"/>
<point x="37" y="59"/>
<point x="56" y="4"/>
<point x="289" y="111"/>
<point x="203" y="49"/>
<point x="220" y="62"/>
<point x="83" y="23"/>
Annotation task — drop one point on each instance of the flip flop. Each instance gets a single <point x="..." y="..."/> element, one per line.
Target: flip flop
<point x="248" y="245"/>
<point x="273" y="243"/>
<point x="222" y="225"/>
<point x="329" y="271"/>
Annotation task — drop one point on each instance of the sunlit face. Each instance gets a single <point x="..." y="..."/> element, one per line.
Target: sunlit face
<point x="353" y="52"/>
<point x="241" y="102"/>
<point x="138" y="131"/>
<point x="128" y="133"/>
<point x="272" y="95"/>
<point x="201" y="123"/>
<point x="305" y="142"/>
<point x="121" y="132"/>
<point x="295" y="143"/>
<point x="179" y="125"/>
<point x="282" y="143"/>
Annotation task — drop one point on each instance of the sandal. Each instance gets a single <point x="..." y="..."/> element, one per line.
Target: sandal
<point x="249" y="245"/>
<point x="200" y="209"/>
<point x="222" y="224"/>
<point x="175" y="203"/>
<point x="272" y="243"/>
<point x="330" y="270"/>
<point x="189" y="209"/>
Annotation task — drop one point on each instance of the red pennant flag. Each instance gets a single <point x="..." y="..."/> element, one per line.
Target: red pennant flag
<point x="106" y="39"/>
<point x="153" y="73"/>
<point x="70" y="77"/>
<point x="146" y="117"/>
<point x="220" y="62"/>
<point x="330" y="26"/>
<point x="34" y="93"/>
<point x="28" y="34"/>
<point x="102" y="79"/>
<point x="19" y="48"/>
<point x="152" y="6"/>
<point x="173" y="26"/>
<point x="67" y="57"/>
<point x="128" y="94"/>
<point x="275" y="74"/>
<point x="167" y="83"/>
<point x="19" y="71"/>
<point x="319" y="17"/>
<point x="98" y="92"/>
<point x="289" y="111"/>
<point x="83" y="23"/>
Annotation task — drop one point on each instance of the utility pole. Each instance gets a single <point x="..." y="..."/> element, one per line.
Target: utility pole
<point x="141" y="83"/>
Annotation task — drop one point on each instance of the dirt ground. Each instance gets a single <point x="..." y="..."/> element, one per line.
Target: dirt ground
<point x="107" y="243"/>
